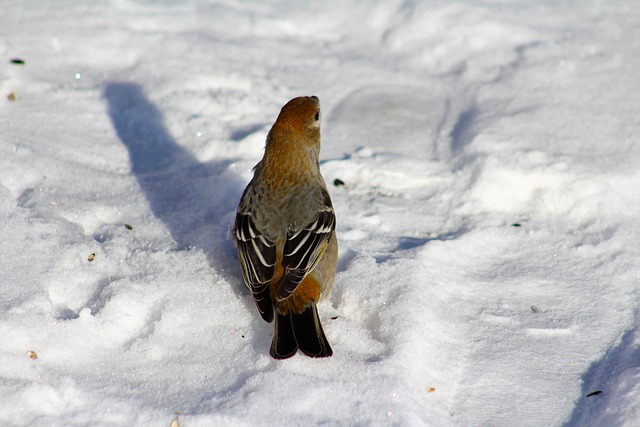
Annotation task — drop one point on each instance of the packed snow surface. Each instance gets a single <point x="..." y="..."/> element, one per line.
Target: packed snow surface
<point x="483" y="158"/>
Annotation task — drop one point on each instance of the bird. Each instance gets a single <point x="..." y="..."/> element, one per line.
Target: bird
<point x="285" y="231"/>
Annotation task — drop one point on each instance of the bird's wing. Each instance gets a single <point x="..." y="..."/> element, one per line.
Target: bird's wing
<point x="256" y="252"/>
<point x="304" y="248"/>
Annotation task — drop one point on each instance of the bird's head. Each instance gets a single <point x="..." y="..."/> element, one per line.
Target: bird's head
<point x="299" y="121"/>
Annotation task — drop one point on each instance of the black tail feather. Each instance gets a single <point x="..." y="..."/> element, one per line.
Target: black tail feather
<point x="309" y="334"/>
<point x="299" y="331"/>
<point x="284" y="343"/>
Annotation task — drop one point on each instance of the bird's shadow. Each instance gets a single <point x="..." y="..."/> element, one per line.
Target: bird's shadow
<point x="194" y="200"/>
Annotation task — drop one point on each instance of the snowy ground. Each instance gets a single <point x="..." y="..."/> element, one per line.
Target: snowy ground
<point x="489" y="222"/>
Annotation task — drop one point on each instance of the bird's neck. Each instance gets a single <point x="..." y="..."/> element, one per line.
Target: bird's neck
<point x="293" y="163"/>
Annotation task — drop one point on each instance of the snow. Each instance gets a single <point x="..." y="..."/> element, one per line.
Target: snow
<point x="488" y="221"/>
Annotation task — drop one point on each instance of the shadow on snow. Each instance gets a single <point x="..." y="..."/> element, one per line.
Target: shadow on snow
<point x="603" y="382"/>
<point x="194" y="200"/>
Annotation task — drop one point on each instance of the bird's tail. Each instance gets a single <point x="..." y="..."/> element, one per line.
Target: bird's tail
<point x="299" y="331"/>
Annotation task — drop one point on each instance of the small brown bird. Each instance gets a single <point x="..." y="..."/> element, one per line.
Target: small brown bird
<point x="285" y="232"/>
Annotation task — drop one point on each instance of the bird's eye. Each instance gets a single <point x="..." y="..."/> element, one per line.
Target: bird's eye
<point x="317" y="116"/>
